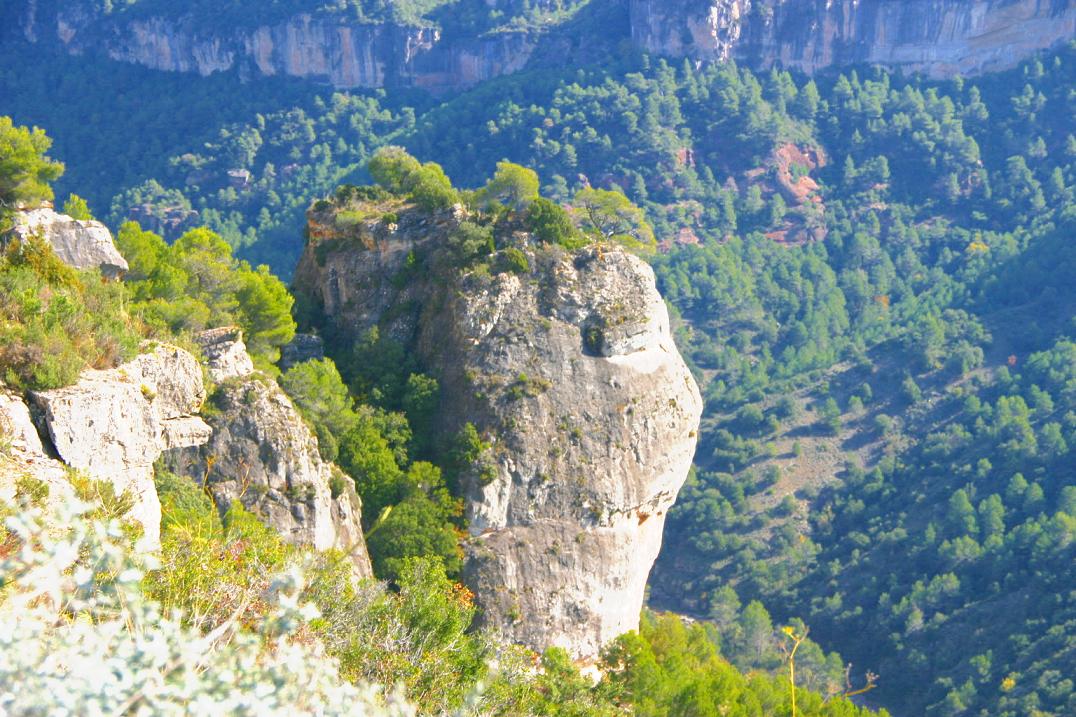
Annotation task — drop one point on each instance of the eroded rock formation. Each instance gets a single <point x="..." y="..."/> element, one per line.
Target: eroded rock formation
<point x="22" y="454"/>
<point x="264" y="455"/>
<point x="940" y="37"/>
<point x="346" y="54"/>
<point x="570" y="374"/>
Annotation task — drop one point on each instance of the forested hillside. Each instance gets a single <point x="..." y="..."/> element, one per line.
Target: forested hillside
<point x="873" y="277"/>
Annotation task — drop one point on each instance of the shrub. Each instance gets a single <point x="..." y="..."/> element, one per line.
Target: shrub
<point x="550" y="224"/>
<point x="55" y="322"/>
<point x="513" y="260"/>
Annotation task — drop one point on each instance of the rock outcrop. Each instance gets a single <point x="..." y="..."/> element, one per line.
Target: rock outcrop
<point x="263" y="454"/>
<point x="225" y="353"/>
<point x="114" y="424"/>
<point x="303" y="347"/>
<point x="940" y="37"/>
<point x="81" y="244"/>
<point x="22" y="454"/>
<point x="570" y="374"/>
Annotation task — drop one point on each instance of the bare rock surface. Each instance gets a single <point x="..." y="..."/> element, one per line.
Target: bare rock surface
<point x="940" y="37"/>
<point x="81" y="244"/>
<point x="943" y="38"/>
<point x="570" y="374"/>
<point x="264" y="455"/>
<point x="114" y="424"/>
<point x="22" y="454"/>
<point x="225" y="353"/>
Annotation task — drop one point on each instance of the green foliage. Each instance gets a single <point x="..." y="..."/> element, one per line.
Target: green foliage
<point x="25" y="170"/>
<point x="513" y="260"/>
<point x="469" y="243"/>
<point x="425" y="184"/>
<point x="415" y="525"/>
<point x="56" y="321"/>
<point x="611" y="216"/>
<point x="322" y="397"/>
<point x="76" y="208"/>
<point x="551" y="224"/>
<point x="210" y="567"/>
<point x="392" y="168"/>
<point x="431" y="189"/>
<point x="196" y="283"/>
<point x="512" y="185"/>
<point x="669" y="668"/>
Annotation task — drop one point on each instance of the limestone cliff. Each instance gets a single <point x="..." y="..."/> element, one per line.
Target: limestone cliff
<point x="343" y="53"/>
<point x="263" y="454"/>
<point x="22" y="455"/>
<point x="570" y="373"/>
<point x="114" y="424"/>
<point x="940" y="37"/>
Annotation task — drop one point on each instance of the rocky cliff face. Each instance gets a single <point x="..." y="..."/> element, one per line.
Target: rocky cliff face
<point x="114" y="424"/>
<point x="940" y="37"/>
<point x="23" y="456"/>
<point x="569" y="372"/>
<point x="344" y="54"/>
<point x="263" y="454"/>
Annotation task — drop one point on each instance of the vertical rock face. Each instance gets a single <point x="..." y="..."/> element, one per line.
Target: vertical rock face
<point x="344" y="54"/>
<point x="263" y="454"/>
<point x="81" y="244"/>
<point x="225" y="353"/>
<point x="940" y="37"/>
<point x="114" y="424"/>
<point x="570" y="374"/>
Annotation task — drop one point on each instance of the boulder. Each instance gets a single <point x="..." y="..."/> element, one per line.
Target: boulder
<point x="81" y="244"/>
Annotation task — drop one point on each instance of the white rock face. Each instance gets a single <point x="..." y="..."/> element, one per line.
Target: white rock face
<point x="81" y="244"/>
<point x="263" y="454"/>
<point x="22" y="454"/>
<point x="114" y="424"/>
<point x="344" y="54"/>
<point x="225" y="353"/>
<point x="593" y="417"/>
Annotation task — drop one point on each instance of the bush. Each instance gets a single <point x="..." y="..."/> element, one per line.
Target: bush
<point x="513" y="260"/>
<point x="550" y="224"/>
<point x="56" y="321"/>
<point x="431" y="189"/>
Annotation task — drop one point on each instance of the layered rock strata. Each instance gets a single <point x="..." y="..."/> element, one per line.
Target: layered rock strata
<point x="940" y="37"/>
